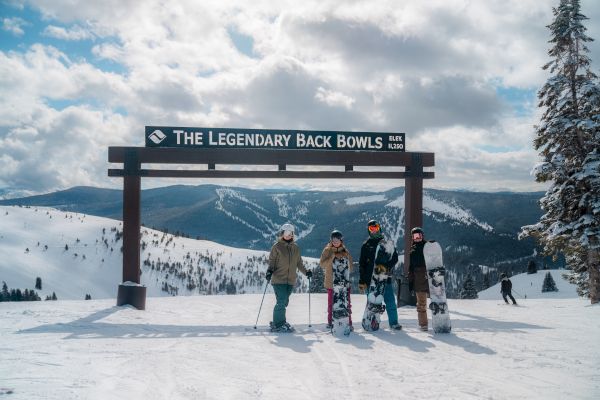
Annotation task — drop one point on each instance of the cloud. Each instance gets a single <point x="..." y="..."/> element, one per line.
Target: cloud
<point x="333" y="98"/>
<point x="438" y="71"/>
<point x="14" y="25"/>
<point x="75" y="33"/>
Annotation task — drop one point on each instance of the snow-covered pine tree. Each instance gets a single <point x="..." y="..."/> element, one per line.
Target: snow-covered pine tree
<point x="568" y="138"/>
<point x="316" y="282"/>
<point x="38" y="283"/>
<point x="531" y="267"/>
<point x="486" y="280"/>
<point x="468" y="290"/>
<point x="549" y="285"/>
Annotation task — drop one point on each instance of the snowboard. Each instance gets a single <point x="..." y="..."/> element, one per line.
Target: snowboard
<point x="340" y="312"/>
<point x="375" y="307"/>
<point x="440" y="315"/>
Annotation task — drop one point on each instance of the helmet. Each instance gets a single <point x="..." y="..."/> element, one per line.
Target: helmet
<point x="503" y="275"/>
<point x="374" y="228"/>
<point x="417" y="229"/>
<point x="286" y="229"/>
<point x="335" y="234"/>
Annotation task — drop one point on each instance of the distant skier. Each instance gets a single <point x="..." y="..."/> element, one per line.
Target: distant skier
<point x="335" y="249"/>
<point x="417" y="275"/>
<point x="374" y="251"/>
<point x="506" y="289"/>
<point x="284" y="261"/>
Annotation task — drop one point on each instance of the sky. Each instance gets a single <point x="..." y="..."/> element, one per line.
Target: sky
<point x="458" y="77"/>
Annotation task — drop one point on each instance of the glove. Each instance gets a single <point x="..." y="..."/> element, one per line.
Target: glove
<point x="362" y="287"/>
<point x="268" y="275"/>
<point x="308" y="273"/>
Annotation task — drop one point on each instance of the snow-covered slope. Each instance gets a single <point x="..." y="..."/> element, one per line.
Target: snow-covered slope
<point x="530" y="286"/>
<point x="77" y="254"/>
<point x="206" y="348"/>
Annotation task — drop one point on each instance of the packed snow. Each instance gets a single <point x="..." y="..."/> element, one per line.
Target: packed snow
<point x="529" y="286"/>
<point x="205" y="347"/>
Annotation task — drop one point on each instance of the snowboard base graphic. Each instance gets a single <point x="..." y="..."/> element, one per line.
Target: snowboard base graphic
<point x="375" y="307"/>
<point x="340" y="311"/>
<point x="440" y="315"/>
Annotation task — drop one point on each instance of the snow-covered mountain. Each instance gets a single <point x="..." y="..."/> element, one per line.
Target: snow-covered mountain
<point x="477" y="230"/>
<point x="76" y="254"/>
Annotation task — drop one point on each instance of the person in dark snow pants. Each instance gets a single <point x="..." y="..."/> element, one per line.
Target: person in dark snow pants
<point x="376" y="245"/>
<point x="506" y="289"/>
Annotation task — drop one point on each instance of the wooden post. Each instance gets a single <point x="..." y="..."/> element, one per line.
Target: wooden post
<point x="413" y="216"/>
<point x="131" y="292"/>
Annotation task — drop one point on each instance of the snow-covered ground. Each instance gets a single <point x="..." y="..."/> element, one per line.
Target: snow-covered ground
<point x="529" y="286"/>
<point x="205" y="347"/>
<point x="77" y="254"/>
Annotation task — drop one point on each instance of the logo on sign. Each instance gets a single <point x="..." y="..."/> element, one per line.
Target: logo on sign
<point x="157" y="136"/>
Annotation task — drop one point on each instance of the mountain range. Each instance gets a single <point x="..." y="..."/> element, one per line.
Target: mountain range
<point x="478" y="231"/>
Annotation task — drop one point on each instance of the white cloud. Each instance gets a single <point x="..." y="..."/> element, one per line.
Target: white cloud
<point x="14" y="25"/>
<point x="75" y="33"/>
<point x="429" y="69"/>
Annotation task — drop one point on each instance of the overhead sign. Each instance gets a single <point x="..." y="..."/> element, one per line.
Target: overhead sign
<point x="162" y="136"/>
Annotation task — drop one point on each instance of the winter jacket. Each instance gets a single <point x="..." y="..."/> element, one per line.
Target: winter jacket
<point x="387" y="255"/>
<point x="284" y="260"/>
<point x="417" y="271"/>
<point x="326" y="261"/>
<point x="505" y="285"/>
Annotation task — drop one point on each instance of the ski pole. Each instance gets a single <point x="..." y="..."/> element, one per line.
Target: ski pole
<point x="309" y="325"/>
<point x="261" y="303"/>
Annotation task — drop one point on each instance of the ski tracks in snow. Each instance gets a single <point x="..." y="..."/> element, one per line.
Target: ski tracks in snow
<point x="339" y="363"/>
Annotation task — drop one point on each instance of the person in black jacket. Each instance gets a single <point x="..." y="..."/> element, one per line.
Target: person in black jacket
<point x="506" y="289"/>
<point x="388" y="256"/>
<point x="417" y="275"/>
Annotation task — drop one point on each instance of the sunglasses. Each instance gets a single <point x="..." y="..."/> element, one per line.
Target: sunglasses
<point x="373" y="228"/>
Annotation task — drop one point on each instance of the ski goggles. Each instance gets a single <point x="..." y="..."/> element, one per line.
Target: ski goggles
<point x="418" y="235"/>
<point x="373" y="228"/>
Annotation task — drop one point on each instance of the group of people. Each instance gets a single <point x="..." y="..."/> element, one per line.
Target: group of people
<point x="285" y="260"/>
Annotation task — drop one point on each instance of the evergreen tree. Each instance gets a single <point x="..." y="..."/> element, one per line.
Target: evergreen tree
<point x="317" y="280"/>
<point x="4" y="294"/>
<point x="486" y="280"/>
<point x="568" y="138"/>
<point x="54" y="296"/>
<point x="88" y="297"/>
<point x="468" y="290"/>
<point x="549" y="285"/>
<point x="531" y="267"/>
<point x="38" y="283"/>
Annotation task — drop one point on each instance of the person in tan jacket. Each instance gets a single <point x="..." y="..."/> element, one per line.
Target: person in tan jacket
<point x="284" y="261"/>
<point x="334" y="249"/>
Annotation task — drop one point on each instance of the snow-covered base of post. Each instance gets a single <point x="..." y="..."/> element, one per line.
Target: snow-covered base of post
<point x="594" y="273"/>
<point x="133" y="294"/>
